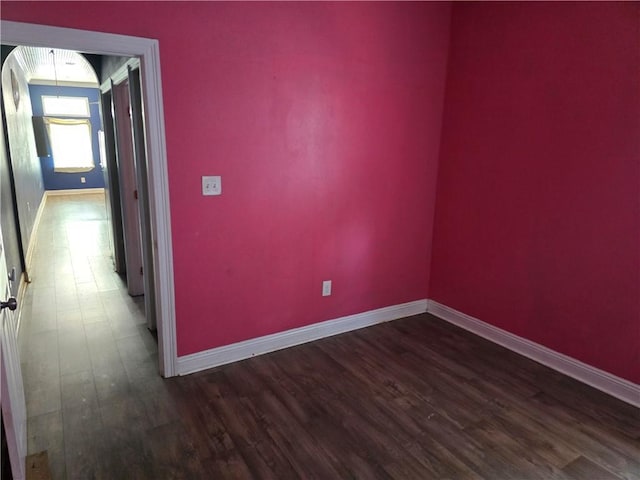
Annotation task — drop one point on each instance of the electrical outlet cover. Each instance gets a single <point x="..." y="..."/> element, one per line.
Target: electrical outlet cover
<point x="211" y="185"/>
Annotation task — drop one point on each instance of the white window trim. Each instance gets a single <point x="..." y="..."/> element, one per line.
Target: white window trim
<point x="62" y="113"/>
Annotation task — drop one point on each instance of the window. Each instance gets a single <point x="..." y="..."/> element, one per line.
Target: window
<point x="65" y="106"/>
<point x="70" y="138"/>
<point x="70" y="141"/>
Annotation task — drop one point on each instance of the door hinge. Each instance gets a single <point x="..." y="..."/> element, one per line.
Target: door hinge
<point x="135" y="194"/>
<point x="141" y="271"/>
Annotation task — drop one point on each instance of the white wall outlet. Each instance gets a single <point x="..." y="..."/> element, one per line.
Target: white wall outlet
<point x="326" y="288"/>
<point x="211" y="185"/>
<point x="83" y="180"/>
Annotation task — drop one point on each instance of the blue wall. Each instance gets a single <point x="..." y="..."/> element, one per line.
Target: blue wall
<point x="60" y="181"/>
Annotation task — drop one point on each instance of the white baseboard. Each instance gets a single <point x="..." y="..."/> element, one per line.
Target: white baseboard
<point x="269" y="343"/>
<point x="34" y="235"/>
<point x="73" y="191"/>
<point x="615" y="386"/>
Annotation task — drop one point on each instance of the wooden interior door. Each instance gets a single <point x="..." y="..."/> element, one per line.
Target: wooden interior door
<point x="129" y="194"/>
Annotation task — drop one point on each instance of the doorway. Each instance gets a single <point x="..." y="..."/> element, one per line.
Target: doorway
<point x="58" y="90"/>
<point x="147" y="50"/>
<point x="159" y="208"/>
<point x="126" y="185"/>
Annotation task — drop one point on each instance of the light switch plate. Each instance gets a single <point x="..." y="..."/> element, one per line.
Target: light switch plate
<point x="211" y="185"/>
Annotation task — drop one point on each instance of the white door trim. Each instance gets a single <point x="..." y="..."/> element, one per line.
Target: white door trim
<point x="15" y="33"/>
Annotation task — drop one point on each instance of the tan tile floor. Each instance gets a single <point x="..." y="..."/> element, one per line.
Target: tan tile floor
<point x="85" y="345"/>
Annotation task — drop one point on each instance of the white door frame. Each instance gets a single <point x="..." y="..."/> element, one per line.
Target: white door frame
<point x="15" y="33"/>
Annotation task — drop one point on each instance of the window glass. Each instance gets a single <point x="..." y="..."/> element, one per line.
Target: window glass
<point x="70" y="142"/>
<point x="66" y="106"/>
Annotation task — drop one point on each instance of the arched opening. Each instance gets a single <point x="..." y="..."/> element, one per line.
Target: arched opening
<point x="39" y="86"/>
<point x="53" y="101"/>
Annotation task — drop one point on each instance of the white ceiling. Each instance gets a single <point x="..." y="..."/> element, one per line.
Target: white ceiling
<point x="71" y="68"/>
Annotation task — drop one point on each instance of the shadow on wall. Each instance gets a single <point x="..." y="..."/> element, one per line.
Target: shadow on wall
<point x="27" y="173"/>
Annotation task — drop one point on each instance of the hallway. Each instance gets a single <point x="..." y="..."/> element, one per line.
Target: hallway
<point x="89" y="362"/>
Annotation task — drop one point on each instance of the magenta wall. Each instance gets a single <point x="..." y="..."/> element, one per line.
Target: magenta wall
<point x="323" y="120"/>
<point x="538" y="208"/>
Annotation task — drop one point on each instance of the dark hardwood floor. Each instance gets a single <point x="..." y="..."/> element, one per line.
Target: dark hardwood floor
<point x="416" y="398"/>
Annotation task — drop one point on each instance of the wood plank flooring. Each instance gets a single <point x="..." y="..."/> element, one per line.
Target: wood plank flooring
<point x="412" y="399"/>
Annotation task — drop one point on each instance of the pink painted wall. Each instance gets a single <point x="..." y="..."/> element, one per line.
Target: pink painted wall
<point x="323" y="120"/>
<point x="537" y="228"/>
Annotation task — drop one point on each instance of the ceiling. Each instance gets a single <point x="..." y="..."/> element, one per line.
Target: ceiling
<point x="71" y="68"/>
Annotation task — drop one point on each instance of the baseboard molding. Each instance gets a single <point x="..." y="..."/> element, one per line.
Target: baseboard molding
<point x="277" y="341"/>
<point x="73" y="191"/>
<point x="34" y="235"/>
<point x="606" y="382"/>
